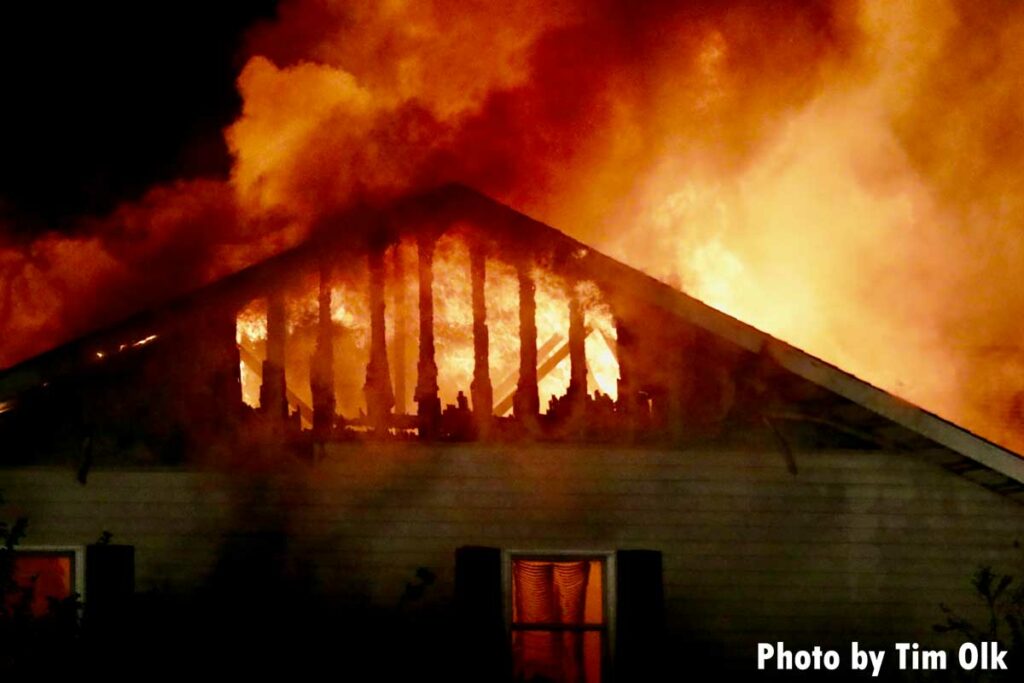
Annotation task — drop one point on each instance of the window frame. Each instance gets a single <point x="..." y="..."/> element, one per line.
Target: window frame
<point x="609" y="598"/>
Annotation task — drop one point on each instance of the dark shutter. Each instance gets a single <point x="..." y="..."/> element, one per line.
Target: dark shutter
<point x="109" y="584"/>
<point x="480" y="613"/>
<point x="639" y="617"/>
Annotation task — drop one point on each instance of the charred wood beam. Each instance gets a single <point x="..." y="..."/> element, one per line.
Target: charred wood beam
<point x="578" y="333"/>
<point x="277" y="330"/>
<point x="273" y="400"/>
<point x="379" y="396"/>
<point x="427" y="399"/>
<point x="249" y="357"/>
<point x="321" y="371"/>
<point x="526" y="403"/>
<point x="623" y="343"/>
<point x="481" y="388"/>
<point x="401" y="330"/>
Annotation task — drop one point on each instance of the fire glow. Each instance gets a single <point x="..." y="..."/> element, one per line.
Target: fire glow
<point x="844" y="175"/>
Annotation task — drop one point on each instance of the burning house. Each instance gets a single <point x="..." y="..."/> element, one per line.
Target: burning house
<point x="450" y="440"/>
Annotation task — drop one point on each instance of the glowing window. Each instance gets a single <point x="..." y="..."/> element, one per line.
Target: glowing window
<point x="559" y="618"/>
<point x="42" y="577"/>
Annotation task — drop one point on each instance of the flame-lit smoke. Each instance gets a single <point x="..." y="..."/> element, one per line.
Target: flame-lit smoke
<point x="843" y="174"/>
<point x="877" y="224"/>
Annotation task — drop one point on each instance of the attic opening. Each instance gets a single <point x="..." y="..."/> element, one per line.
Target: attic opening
<point x="369" y="337"/>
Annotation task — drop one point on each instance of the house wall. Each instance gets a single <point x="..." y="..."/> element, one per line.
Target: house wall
<point x="855" y="546"/>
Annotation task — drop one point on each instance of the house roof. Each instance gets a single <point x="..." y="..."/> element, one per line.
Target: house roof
<point x="963" y="452"/>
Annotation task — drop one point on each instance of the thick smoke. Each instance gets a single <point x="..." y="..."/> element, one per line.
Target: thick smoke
<point x="843" y="174"/>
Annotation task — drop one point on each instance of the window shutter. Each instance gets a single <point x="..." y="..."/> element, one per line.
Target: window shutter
<point x="639" y="615"/>
<point x="480" y="614"/>
<point x="109" y="584"/>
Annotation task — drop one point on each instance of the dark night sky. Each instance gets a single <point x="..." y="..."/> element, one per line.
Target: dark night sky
<point x="102" y="99"/>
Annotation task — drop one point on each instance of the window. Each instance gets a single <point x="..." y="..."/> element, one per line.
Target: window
<point x="496" y="635"/>
<point x="43" y="574"/>
<point x="559" y="613"/>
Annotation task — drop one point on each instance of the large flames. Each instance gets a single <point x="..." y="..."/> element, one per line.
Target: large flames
<point x="842" y="173"/>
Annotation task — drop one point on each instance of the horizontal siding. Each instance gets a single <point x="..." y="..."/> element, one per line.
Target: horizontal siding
<point x="857" y="544"/>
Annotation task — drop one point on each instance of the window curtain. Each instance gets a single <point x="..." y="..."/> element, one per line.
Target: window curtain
<point x="551" y="593"/>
